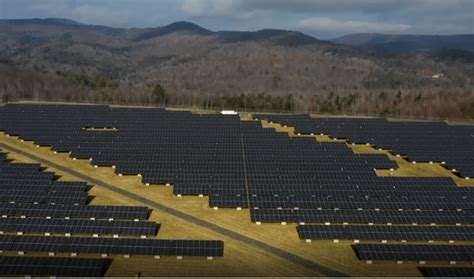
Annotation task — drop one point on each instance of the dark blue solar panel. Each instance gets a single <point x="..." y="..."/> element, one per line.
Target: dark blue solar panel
<point x="418" y="252"/>
<point x="59" y="267"/>
<point x="467" y="272"/>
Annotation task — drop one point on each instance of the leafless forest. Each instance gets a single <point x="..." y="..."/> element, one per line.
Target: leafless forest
<point x="281" y="71"/>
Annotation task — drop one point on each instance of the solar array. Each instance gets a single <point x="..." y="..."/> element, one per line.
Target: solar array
<point x="35" y="202"/>
<point x="439" y="142"/>
<point x="447" y="271"/>
<point x="61" y="210"/>
<point x="381" y="213"/>
<point x="238" y="164"/>
<point x="197" y="154"/>
<point x="415" y="252"/>
<point x="62" y="267"/>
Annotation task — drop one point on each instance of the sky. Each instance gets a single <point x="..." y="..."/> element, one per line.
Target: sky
<point x="323" y="19"/>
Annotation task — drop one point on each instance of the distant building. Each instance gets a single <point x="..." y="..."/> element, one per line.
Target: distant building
<point x="229" y="112"/>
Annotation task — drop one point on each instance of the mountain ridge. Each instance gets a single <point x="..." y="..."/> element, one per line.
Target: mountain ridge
<point x="391" y="42"/>
<point x="57" y="59"/>
<point x="407" y="42"/>
<point x="142" y="34"/>
<point x="189" y="57"/>
<point x="178" y="26"/>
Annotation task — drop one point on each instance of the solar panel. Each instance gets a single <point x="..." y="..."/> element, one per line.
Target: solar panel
<point x="132" y="246"/>
<point x="60" y="267"/>
<point x="74" y="211"/>
<point x="29" y="225"/>
<point x="378" y="161"/>
<point x="418" y="252"/>
<point x="447" y="271"/>
<point x="386" y="232"/>
<point x="407" y="217"/>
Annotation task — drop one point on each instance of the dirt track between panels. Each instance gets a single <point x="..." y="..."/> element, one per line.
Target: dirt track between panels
<point x="291" y="257"/>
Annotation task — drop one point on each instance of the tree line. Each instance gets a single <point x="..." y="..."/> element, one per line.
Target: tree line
<point x="432" y="103"/>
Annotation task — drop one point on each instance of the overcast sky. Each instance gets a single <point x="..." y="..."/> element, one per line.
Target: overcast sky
<point x="320" y="18"/>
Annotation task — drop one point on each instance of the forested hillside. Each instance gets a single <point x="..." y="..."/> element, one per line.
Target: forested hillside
<point x="185" y="65"/>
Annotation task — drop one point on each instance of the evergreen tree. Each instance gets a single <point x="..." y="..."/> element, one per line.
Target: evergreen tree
<point x="159" y="95"/>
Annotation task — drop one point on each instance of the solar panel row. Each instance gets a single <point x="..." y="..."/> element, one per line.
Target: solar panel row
<point x="393" y="203"/>
<point x="47" y="189"/>
<point x="385" y="232"/>
<point x="362" y="216"/>
<point x="74" y="211"/>
<point x="113" y="246"/>
<point x="46" y="186"/>
<point x="25" y="192"/>
<point x="292" y="189"/>
<point x="59" y="267"/>
<point x="447" y="271"/>
<point x="29" y="225"/>
<point x="43" y="198"/>
<point x="418" y="252"/>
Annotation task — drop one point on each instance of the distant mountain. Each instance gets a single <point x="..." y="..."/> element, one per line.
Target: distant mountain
<point x="407" y="42"/>
<point x="189" y="59"/>
<point x="180" y="26"/>
<point x="45" y="21"/>
<point x="133" y="53"/>
<point x="57" y="23"/>
<point x="280" y="37"/>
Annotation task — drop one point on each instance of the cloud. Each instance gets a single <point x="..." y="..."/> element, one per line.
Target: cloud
<point x="326" y="6"/>
<point x="320" y="18"/>
<point x="49" y="5"/>
<point x="210" y="7"/>
<point x="45" y="8"/>
<point x="351" y="26"/>
<point x="327" y="18"/>
<point x="225" y="7"/>
<point x="101" y="15"/>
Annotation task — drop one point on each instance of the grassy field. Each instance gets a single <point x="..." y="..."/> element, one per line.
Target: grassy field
<point x="240" y="259"/>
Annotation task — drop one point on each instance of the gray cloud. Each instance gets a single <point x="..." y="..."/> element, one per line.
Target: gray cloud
<point x="321" y="18"/>
<point x="325" y="6"/>
<point x="99" y="14"/>
<point x="210" y="7"/>
<point x="353" y="26"/>
<point x="338" y="17"/>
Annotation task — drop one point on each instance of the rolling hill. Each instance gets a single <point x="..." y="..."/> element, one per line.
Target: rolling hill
<point x="408" y="42"/>
<point x="197" y="66"/>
